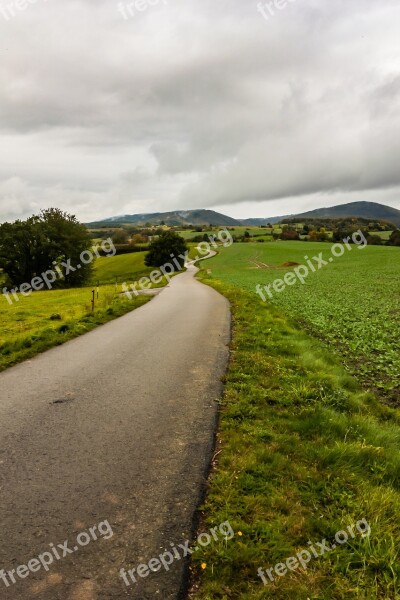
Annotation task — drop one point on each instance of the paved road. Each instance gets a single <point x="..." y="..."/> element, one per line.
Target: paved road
<point x="114" y="426"/>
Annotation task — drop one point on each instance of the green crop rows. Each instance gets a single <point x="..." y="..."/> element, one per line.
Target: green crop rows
<point x="353" y="303"/>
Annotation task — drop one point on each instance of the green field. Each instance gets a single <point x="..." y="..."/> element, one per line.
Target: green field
<point x="235" y="231"/>
<point x="303" y="452"/>
<point x="45" y="319"/>
<point x="122" y="268"/>
<point x="385" y="235"/>
<point x="352" y="304"/>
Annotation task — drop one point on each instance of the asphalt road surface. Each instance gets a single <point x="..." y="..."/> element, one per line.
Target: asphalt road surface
<point x="115" y="427"/>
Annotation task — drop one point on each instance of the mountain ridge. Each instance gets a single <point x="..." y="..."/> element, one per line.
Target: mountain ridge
<point x="362" y="209"/>
<point x="176" y="217"/>
<point x="197" y="217"/>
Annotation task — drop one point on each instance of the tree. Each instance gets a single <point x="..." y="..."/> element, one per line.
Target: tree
<point x="165" y="248"/>
<point x="120" y="236"/>
<point x="138" y="238"/>
<point x="42" y="242"/>
<point x="394" y="239"/>
<point x="289" y="234"/>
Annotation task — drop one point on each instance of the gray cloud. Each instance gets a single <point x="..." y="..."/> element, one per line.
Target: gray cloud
<point x="195" y="104"/>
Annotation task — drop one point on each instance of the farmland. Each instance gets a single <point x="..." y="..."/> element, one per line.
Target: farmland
<point x="303" y="451"/>
<point x="353" y="304"/>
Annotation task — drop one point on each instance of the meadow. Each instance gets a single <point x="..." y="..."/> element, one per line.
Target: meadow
<point x="352" y="304"/>
<point x="120" y="269"/>
<point x="48" y="318"/>
<point x="236" y="231"/>
<point x="303" y="451"/>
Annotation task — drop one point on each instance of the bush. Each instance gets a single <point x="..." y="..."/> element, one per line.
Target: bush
<point x="374" y="240"/>
<point x="289" y="234"/>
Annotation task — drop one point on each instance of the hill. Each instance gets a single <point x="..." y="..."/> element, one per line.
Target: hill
<point x="365" y="210"/>
<point x="176" y="218"/>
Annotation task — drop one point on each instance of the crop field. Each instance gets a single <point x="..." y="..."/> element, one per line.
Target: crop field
<point x="303" y="452"/>
<point x="352" y="304"/>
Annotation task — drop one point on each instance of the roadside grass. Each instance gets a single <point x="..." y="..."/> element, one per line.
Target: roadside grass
<point x="303" y="452"/>
<point x="47" y="319"/>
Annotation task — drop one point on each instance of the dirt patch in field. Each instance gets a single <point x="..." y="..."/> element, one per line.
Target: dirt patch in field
<point x="261" y="265"/>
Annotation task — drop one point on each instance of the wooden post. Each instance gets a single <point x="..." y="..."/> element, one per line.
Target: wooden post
<point x="93" y="300"/>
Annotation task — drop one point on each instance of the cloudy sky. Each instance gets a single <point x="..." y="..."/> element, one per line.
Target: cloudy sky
<point x="198" y="104"/>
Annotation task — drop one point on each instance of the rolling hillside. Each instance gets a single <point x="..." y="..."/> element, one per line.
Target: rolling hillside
<point x="365" y="210"/>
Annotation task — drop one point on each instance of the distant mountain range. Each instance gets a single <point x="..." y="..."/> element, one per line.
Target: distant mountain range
<point x="365" y="210"/>
<point x="176" y="217"/>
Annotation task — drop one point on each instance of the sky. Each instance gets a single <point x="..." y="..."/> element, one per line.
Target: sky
<point x="251" y="109"/>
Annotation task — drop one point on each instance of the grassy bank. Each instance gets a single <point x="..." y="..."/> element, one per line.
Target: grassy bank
<point x="304" y="452"/>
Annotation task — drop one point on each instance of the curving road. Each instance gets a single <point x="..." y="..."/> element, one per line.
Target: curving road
<point x="116" y="426"/>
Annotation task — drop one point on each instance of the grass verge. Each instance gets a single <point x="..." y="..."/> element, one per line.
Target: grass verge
<point x="304" y="453"/>
<point x="46" y="330"/>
